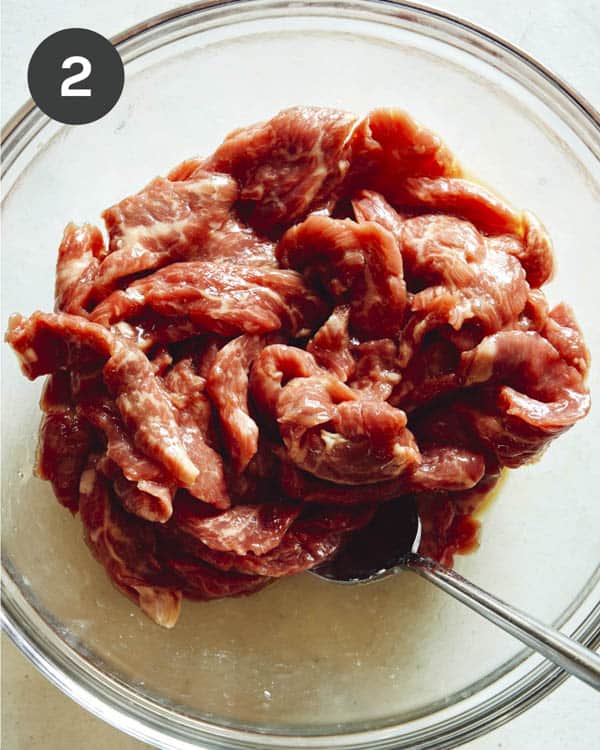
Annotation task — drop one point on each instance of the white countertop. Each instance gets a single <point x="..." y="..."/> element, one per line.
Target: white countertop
<point x="565" y="36"/>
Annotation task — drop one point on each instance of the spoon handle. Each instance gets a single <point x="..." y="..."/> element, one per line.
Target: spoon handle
<point x="551" y="643"/>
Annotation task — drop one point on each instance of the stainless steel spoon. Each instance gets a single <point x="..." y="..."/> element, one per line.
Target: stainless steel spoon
<point x="390" y="544"/>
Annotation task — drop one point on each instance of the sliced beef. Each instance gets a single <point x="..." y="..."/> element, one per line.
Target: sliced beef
<point x="322" y="316"/>
<point x="65" y="441"/>
<point x="242" y="529"/>
<point x="166" y="221"/>
<point x="125" y="546"/>
<point x="466" y="200"/>
<point x="47" y="342"/>
<point x="563" y="332"/>
<point x="79" y="257"/>
<point x="330" y="346"/>
<point x="441" y="468"/>
<point x="287" y="165"/>
<point x="215" y="298"/>
<point x="227" y="386"/>
<point x="388" y="146"/>
<point x="532" y="394"/>
<point x="359" y="264"/>
<point x="458" y="277"/>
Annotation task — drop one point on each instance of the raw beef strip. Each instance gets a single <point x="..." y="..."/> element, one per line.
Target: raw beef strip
<point x="305" y="545"/>
<point x="156" y="486"/>
<point x="46" y="342"/>
<point x="194" y="414"/>
<point x="79" y="256"/>
<point x="356" y="263"/>
<point x="288" y="165"/>
<point x="235" y="241"/>
<point x="339" y="518"/>
<point x="529" y="241"/>
<point x="219" y="298"/>
<point x="242" y="529"/>
<point x="227" y="386"/>
<point x="186" y="389"/>
<point x="430" y="373"/>
<point x="537" y="394"/>
<point x="186" y="169"/>
<point x="273" y="368"/>
<point x="201" y="582"/>
<point x="329" y="429"/>
<point x="377" y="368"/>
<point x="148" y="412"/>
<point x="169" y="430"/>
<point x="371" y="206"/>
<point x="441" y="468"/>
<point x="125" y="547"/>
<point x="535" y="313"/>
<point x="165" y="222"/>
<point x="155" y="506"/>
<point x="330" y="346"/>
<point x="464" y="278"/>
<point x="389" y="146"/>
<point x="563" y="332"/>
<point x="334" y="434"/>
<point x="466" y="200"/>
<point x="64" y="443"/>
<point x="534" y="250"/>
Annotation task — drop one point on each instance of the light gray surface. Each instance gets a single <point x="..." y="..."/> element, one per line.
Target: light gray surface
<point x="563" y="35"/>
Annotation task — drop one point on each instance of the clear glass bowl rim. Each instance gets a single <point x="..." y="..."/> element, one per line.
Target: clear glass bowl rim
<point x="113" y="701"/>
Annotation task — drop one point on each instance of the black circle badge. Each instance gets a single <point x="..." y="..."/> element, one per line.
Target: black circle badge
<point x="75" y="76"/>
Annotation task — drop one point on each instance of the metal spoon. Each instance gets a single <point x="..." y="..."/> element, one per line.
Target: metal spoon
<point x="390" y="544"/>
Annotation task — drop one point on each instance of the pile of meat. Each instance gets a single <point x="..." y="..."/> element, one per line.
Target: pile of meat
<point x="322" y="316"/>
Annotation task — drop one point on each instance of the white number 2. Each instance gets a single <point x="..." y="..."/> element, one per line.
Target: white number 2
<point x="86" y="69"/>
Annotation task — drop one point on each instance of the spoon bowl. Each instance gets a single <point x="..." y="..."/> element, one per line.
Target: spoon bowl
<point x="376" y="551"/>
<point x="390" y="544"/>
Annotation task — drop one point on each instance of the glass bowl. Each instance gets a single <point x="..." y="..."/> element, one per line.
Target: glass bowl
<point x="305" y="663"/>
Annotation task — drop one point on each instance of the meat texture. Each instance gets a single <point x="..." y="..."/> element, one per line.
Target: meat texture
<point x="126" y="548"/>
<point x="202" y="297"/>
<point x="355" y="263"/>
<point x="289" y="165"/>
<point x="322" y="316"/>
<point x="227" y="385"/>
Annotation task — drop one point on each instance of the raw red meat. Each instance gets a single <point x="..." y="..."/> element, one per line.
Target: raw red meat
<point x="245" y="528"/>
<point x="356" y="263"/>
<point x="322" y="316"/>
<point x="47" y="342"/>
<point x="458" y="276"/>
<point x="330" y="346"/>
<point x="202" y="582"/>
<point x="443" y="468"/>
<point x="534" y="394"/>
<point x="65" y="441"/>
<point x="218" y="298"/>
<point x="165" y="222"/>
<point x="79" y="256"/>
<point x="148" y="412"/>
<point x="124" y="458"/>
<point x="562" y="331"/>
<point x="126" y="548"/>
<point x="305" y="545"/>
<point x="227" y="385"/>
<point x="464" y="199"/>
<point x="287" y="165"/>
<point x="388" y="146"/>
